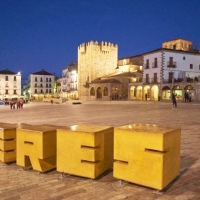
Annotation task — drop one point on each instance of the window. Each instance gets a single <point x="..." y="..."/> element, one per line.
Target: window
<point x="46" y="79"/>
<point x="46" y="84"/>
<point x="35" y="84"/>
<point x="6" y="91"/>
<point x="15" y="78"/>
<point x="41" y="85"/>
<point x="49" y="85"/>
<point x="46" y="90"/>
<point x="147" y="78"/>
<point x="171" y="61"/>
<point x="105" y="91"/>
<point x="35" y="91"/>
<point x="40" y="79"/>
<point x="6" y="78"/>
<point x="41" y="91"/>
<point x="49" y="79"/>
<point x="191" y="66"/>
<point x="183" y="57"/>
<point x="35" y="79"/>
<point x="15" y="92"/>
<point x="49" y="90"/>
<point x="147" y="64"/>
<point x="92" y="92"/>
<point x="199" y="67"/>
<point x="155" y="77"/>
<point x="155" y="62"/>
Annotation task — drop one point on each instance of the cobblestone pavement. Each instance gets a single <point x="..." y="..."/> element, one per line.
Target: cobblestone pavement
<point x="16" y="183"/>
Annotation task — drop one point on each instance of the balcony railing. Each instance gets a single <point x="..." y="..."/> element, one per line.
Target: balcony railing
<point x="179" y="80"/>
<point x="171" y="64"/>
<point x="150" y="80"/>
<point x="154" y="65"/>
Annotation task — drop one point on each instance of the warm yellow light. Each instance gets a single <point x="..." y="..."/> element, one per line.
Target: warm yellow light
<point x="74" y="72"/>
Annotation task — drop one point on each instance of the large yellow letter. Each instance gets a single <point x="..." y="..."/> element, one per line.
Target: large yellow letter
<point x="85" y="150"/>
<point x="36" y="147"/>
<point x="7" y="142"/>
<point x="148" y="155"/>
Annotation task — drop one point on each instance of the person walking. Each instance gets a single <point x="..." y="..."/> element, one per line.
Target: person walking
<point x="190" y="97"/>
<point x="174" y="103"/>
<point x="186" y="96"/>
<point x="146" y="96"/>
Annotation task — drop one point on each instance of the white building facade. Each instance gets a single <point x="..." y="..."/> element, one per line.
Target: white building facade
<point x="69" y="84"/>
<point x="40" y="85"/>
<point x="10" y="85"/>
<point x="168" y="70"/>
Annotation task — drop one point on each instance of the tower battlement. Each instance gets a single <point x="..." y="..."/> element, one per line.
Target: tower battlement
<point x="103" y="46"/>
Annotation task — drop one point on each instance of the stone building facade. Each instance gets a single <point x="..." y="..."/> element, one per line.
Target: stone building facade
<point x="178" y="44"/>
<point x="94" y="61"/>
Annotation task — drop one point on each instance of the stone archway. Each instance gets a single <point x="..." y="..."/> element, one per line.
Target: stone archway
<point x="166" y="92"/>
<point x="178" y="91"/>
<point x="139" y="93"/>
<point x="191" y="89"/>
<point x="99" y="93"/>
<point x="154" y="92"/>
<point x="105" y="91"/>
<point x="146" y="90"/>
<point x="92" y="91"/>
<point x="132" y="93"/>
<point x="115" y="93"/>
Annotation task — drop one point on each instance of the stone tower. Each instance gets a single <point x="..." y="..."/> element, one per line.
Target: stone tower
<point x="94" y="60"/>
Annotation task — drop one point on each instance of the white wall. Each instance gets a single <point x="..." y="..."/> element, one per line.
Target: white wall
<point x="152" y="70"/>
<point x="182" y="65"/>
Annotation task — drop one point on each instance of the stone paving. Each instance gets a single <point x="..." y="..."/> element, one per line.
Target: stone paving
<point x="16" y="183"/>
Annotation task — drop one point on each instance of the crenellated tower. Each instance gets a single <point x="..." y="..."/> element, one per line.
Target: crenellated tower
<point x="94" y="60"/>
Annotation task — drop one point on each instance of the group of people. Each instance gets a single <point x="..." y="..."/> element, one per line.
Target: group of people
<point x="17" y="104"/>
<point x="188" y="97"/>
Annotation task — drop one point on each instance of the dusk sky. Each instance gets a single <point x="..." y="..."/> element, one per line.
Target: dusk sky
<point x="45" y="34"/>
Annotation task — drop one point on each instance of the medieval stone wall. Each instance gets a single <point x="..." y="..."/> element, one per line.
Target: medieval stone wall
<point x="94" y="60"/>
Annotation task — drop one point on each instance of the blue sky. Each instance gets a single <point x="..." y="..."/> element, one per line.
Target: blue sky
<point x="45" y="34"/>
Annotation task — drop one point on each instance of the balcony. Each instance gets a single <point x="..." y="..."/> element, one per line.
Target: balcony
<point x="146" y="66"/>
<point x="171" y="64"/>
<point x="154" y="65"/>
<point x="151" y="80"/>
<point x="182" y="80"/>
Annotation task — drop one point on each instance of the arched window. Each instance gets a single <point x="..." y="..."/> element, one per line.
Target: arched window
<point x="92" y="92"/>
<point x="105" y="91"/>
<point x="99" y="92"/>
